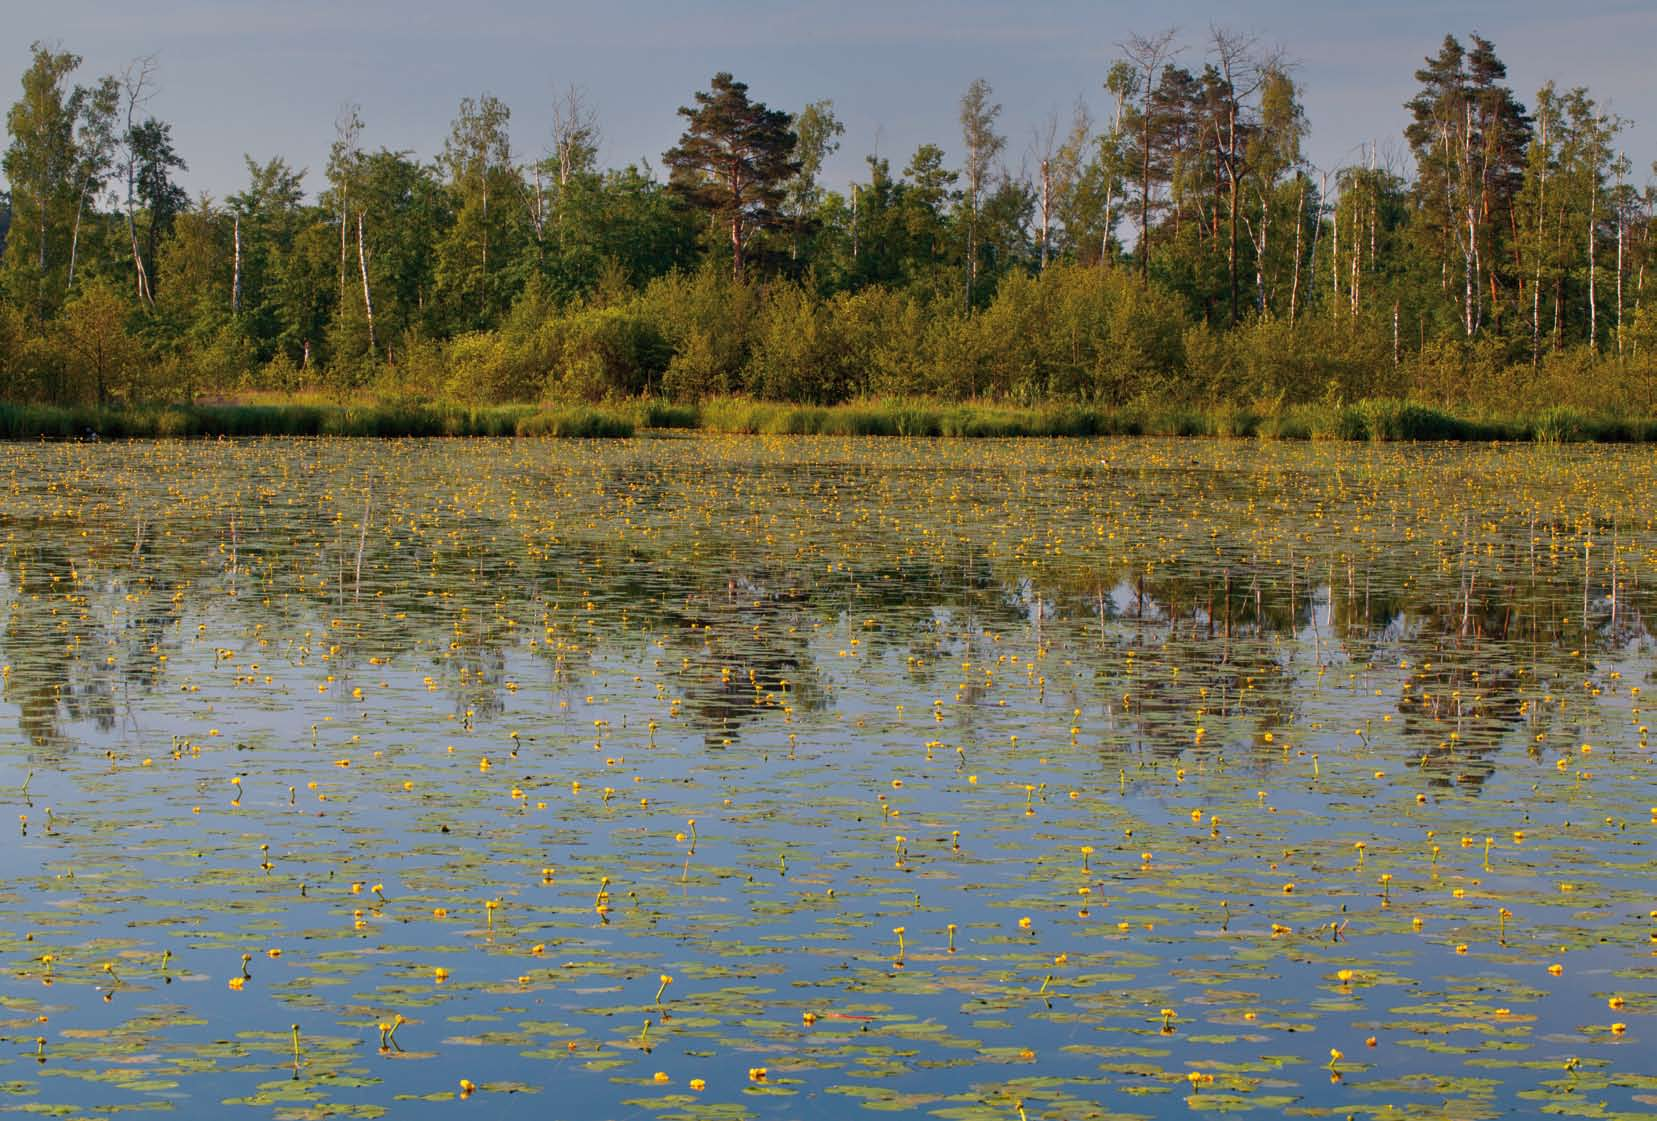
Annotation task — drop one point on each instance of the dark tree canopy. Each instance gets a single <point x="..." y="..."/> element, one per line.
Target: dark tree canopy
<point x="734" y="160"/>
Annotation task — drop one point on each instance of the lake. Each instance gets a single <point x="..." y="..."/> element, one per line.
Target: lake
<point x="712" y="778"/>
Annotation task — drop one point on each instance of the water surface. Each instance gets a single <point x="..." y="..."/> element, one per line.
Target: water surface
<point x="1178" y="764"/>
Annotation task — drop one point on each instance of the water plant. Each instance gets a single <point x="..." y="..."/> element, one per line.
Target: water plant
<point x="683" y="609"/>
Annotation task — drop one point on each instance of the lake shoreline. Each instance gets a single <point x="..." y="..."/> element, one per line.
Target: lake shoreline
<point x="1372" y="419"/>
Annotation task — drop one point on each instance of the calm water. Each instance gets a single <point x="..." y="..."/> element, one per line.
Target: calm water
<point x="1177" y="764"/>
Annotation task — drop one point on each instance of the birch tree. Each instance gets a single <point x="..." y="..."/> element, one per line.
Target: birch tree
<point x="1064" y="179"/>
<point x="482" y="180"/>
<point x="982" y="145"/>
<point x="344" y="162"/>
<point x="95" y="148"/>
<point x="1060" y="164"/>
<point x="345" y="174"/>
<point x="1105" y="183"/>
<point x="574" y="152"/>
<point x="42" y="167"/>
<point x="1241" y="72"/>
<point x="817" y="134"/>
<point x="137" y="86"/>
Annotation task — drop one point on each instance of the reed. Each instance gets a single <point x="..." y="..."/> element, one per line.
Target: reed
<point x="1379" y="419"/>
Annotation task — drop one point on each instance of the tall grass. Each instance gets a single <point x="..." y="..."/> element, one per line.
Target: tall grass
<point x="29" y="422"/>
<point x="577" y="420"/>
<point x="1379" y="419"/>
<point x="1375" y="419"/>
<point x="904" y="417"/>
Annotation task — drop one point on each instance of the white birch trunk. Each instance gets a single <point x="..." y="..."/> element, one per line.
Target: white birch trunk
<point x="1620" y="241"/>
<point x="1046" y="210"/>
<point x="1355" y="286"/>
<point x="236" y="265"/>
<point x="1468" y="274"/>
<point x="75" y="240"/>
<point x="1335" y="264"/>
<point x="1536" y="287"/>
<point x="856" y="191"/>
<point x="1300" y="222"/>
<point x="344" y="223"/>
<point x="1260" y="255"/>
<point x="367" y="299"/>
<point x="1593" y="305"/>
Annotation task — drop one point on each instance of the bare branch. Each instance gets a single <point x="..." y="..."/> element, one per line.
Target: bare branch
<point x="575" y="132"/>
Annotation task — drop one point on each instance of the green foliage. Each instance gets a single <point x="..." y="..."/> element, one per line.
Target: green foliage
<point x="101" y="360"/>
<point x="880" y="330"/>
<point x="706" y="319"/>
<point x="39" y="166"/>
<point x="14" y="337"/>
<point x="480" y="369"/>
<point x="1261" y="299"/>
<point x="607" y="352"/>
<point x="799" y="352"/>
<point x="1073" y="333"/>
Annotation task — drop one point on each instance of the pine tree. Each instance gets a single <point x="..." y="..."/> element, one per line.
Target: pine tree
<point x="1468" y="135"/>
<point x="734" y="161"/>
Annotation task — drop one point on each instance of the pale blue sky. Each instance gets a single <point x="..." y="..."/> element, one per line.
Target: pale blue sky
<point x="268" y="78"/>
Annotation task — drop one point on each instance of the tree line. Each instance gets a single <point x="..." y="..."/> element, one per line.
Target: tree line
<point x="1180" y="247"/>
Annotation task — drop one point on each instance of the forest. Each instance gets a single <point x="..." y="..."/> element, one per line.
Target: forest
<point x="1181" y="248"/>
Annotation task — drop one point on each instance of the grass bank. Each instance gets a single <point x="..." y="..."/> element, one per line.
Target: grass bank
<point x="29" y="422"/>
<point x="1376" y="419"/>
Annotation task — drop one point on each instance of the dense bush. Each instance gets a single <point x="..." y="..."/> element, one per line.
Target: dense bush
<point x="1071" y="349"/>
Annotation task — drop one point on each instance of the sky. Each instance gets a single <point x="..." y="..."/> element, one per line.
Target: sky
<point x="269" y="78"/>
